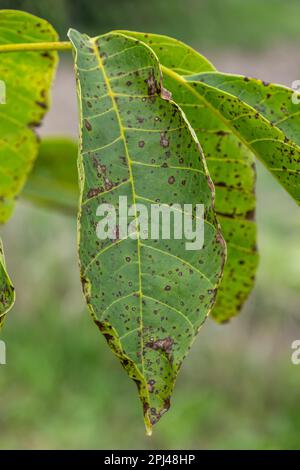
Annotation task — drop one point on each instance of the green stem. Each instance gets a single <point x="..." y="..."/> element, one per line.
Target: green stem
<point x="36" y="46"/>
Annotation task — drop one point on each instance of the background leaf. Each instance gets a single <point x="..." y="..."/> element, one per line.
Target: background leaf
<point x="263" y="116"/>
<point x="174" y="54"/>
<point x="27" y="77"/>
<point x="53" y="182"/>
<point x="232" y="168"/>
<point x="7" y="292"/>
<point x="148" y="297"/>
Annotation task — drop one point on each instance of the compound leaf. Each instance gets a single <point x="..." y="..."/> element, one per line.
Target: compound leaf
<point x="148" y="297"/>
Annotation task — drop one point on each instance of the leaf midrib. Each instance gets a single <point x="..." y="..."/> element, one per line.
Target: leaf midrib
<point x="128" y="159"/>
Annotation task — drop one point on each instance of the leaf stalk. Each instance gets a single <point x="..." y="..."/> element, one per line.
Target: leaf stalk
<point x="36" y="46"/>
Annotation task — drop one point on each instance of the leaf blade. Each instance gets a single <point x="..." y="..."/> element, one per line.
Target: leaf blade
<point x="174" y="54"/>
<point x="27" y="100"/>
<point x="134" y="123"/>
<point x="232" y="168"/>
<point x="27" y="77"/>
<point x="271" y="142"/>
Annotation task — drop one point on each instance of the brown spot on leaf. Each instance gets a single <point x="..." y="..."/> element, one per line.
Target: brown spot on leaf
<point x="164" y="344"/>
<point x="94" y="192"/>
<point x="88" y="125"/>
<point x="250" y="215"/>
<point x="108" y="184"/>
<point x="164" y="141"/>
<point x="41" y="104"/>
<point x="47" y="55"/>
<point x="151" y="384"/>
<point x="166" y="94"/>
<point x="152" y="84"/>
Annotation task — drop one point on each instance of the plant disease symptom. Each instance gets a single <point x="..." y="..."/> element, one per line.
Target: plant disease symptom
<point x="166" y="171"/>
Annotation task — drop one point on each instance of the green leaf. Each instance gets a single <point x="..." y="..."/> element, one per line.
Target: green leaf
<point x="148" y="297"/>
<point x="7" y="292"/>
<point x="265" y="118"/>
<point x="232" y="168"/>
<point x="262" y="115"/>
<point x="27" y="77"/>
<point x="53" y="182"/>
<point x="174" y="54"/>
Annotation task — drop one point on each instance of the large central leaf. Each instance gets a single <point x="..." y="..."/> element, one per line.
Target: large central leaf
<point x="148" y="297"/>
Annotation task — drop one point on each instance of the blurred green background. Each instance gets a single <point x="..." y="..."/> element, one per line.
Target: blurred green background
<point x="61" y="387"/>
<point x="208" y="22"/>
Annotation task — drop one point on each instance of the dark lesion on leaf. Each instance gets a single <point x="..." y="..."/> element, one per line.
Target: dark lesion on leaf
<point x="165" y="345"/>
<point x="151" y="384"/>
<point x="164" y="141"/>
<point x="94" y="192"/>
<point x="250" y="215"/>
<point x="152" y="84"/>
<point x="166" y="94"/>
<point x="155" y="415"/>
<point x="105" y="330"/>
<point x="88" y="125"/>
<point x="85" y="287"/>
<point x="143" y="398"/>
<point x="41" y="104"/>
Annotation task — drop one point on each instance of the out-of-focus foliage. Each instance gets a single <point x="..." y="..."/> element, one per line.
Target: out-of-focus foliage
<point x="246" y="391"/>
<point x="7" y="293"/>
<point x="208" y="23"/>
<point x="27" y="79"/>
<point x="53" y="182"/>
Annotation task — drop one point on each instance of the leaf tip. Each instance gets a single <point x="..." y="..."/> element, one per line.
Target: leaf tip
<point x="148" y="425"/>
<point x="72" y="34"/>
